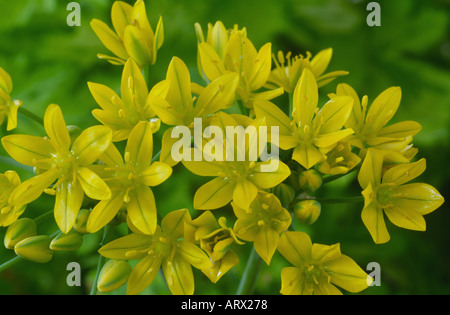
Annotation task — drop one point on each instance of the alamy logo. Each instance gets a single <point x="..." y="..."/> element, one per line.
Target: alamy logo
<point x="74" y="17"/>
<point x="237" y="144"/>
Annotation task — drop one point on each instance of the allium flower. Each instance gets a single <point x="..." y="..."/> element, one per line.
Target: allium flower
<point x="312" y="132"/>
<point x="215" y="238"/>
<point x="133" y="36"/>
<point x="340" y="160"/>
<point x="370" y="125"/>
<point x="167" y="248"/>
<point x="318" y="268"/>
<point x="262" y="224"/>
<point x="404" y="204"/>
<point x="129" y="179"/>
<point x="8" y="107"/>
<point x="233" y="51"/>
<point x="122" y="113"/>
<point x="56" y="158"/>
<point x="289" y="69"/>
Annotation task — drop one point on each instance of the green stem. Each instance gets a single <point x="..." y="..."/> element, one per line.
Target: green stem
<point x="335" y="177"/>
<point x="43" y="217"/>
<point x="101" y="261"/>
<point x="353" y="199"/>
<point x="156" y="157"/>
<point x="291" y="104"/>
<point x="250" y="274"/>
<point x="31" y="115"/>
<point x="9" y="263"/>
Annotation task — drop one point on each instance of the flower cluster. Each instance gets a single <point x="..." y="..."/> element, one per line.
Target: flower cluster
<point x="104" y="175"/>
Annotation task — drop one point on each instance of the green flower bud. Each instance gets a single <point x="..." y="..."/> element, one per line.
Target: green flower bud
<point x="80" y="223"/>
<point x="310" y="180"/>
<point x="113" y="275"/>
<point x="307" y="211"/>
<point x="18" y="231"/>
<point x="66" y="242"/>
<point x="285" y="194"/>
<point x="35" y="248"/>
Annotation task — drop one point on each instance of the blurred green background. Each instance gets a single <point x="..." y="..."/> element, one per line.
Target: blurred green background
<point x="51" y="62"/>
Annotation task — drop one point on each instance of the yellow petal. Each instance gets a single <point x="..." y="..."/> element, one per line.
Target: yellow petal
<point x="109" y="38"/>
<point x="240" y="54"/>
<point x="179" y="276"/>
<point x="105" y="97"/>
<point x="139" y="149"/>
<point x="373" y="219"/>
<point x="266" y="242"/>
<point x="156" y="174"/>
<point x="222" y="266"/>
<point x="355" y="118"/>
<point x="328" y="140"/>
<point x="179" y="95"/>
<point x="333" y="115"/>
<point x="217" y="95"/>
<point x="420" y="197"/>
<point x="69" y="198"/>
<point x="345" y="273"/>
<point x="274" y="116"/>
<point x="5" y="81"/>
<point x="320" y="62"/>
<point x="28" y="149"/>
<point x="121" y="16"/>
<point x="136" y="45"/>
<point x="158" y="40"/>
<point x="131" y="246"/>
<point x="91" y="143"/>
<point x="104" y="212"/>
<point x="214" y="194"/>
<point x="142" y="209"/>
<point x="32" y="188"/>
<point x="203" y="168"/>
<point x="173" y="223"/>
<point x="266" y="180"/>
<point x="56" y="127"/>
<point x="403" y="173"/>
<point x="305" y="98"/>
<point x="210" y="61"/>
<point x="12" y="115"/>
<point x="244" y="193"/>
<point x="383" y="108"/>
<point x="401" y="129"/>
<point x="307" y="155"/>
<point x="112" y="156"/>
<point x="406" y="218"/>
<point x="194" y="255"/>
<point x="133" y="88"/>
<point x="371" y="168"/>
<point x="261" y="67"/>
<point x="293" y="281"/>
<point x="295" y="247"/>
<point x="166" y="112"/>
<point x="143" y="274"/>
<point x="93" y="185"/>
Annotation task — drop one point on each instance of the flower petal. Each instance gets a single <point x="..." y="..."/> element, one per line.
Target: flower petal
<point x="345" y="273"/>
<point x="266" y="242"/>
<point x="179" y="95"/>
<point x="91" y="143"/>
<point x="401" y="129"/>
<point x="266" y="180"/>
<point x="93" y="185"/>
<point x="371" y="168"/>
<point x="194" y="255"/>
<point x="69" y="198"/>
<point x="156" y="174"/>
<point x="305" y="98"/>
<point x="320" y="62"/>
<point x="307" y="155"/>
<point x="403" y="173"/>
<point x="261" y="67"/>
<point x="210" y="61"/>
<point x="293" y="281"/>
<point x="173" y="223"/>
<point x="105" y="97"/>
<point x="28" y="149"/>
<point x="383" y="108"/>
<point x="109" y="38"/>
<point x="333" y="115"/>
<point x="104" y="212"/>
<point x="244" y="193"/>
<point x="373" y="219"/>
<point x="421" y="197"/>
<point x="179" y="276"/>
<point x="136" y="45"/>
<point x="139" y="149"/>
<point x="32" y="188"/>
<point x="56" y="127"/>
<point x="129" y="247"/>
<point x="406" y="218"/>
<point x="295" y="247"/>
<point x="143" y="274"/>
<point x="214" y="194"/>
<point x="273" y="115"/>
<point x="142" y="209"/>
<point x="133" y="89"/>
<point x="121" y="16"/>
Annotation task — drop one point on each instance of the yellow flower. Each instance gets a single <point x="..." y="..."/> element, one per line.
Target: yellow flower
<point x="232" y="51"/>
<point x="9" y="212"/>
<point x="312" y="132"/>
<point x="178" y="108"/>
<point x="263" y="224"/>
<point x="122" y="113"/>
<point x="237" y="180"/>
<point x="56" y="158"/>
<point x="215" y="238"/>
<point x="318" y="268"/>
<point x="340" y="160"/>
<point x="8" y="107"/>
<point x="289" y="69"/>
<point x="133" y="36"/>
<point x="404" y="204"/>
<point x="167" y="248"/>
<point x="129" y="179"/>
<point x="370" y="123"/>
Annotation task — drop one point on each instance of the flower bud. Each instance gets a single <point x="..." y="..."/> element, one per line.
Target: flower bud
<point x="113" y="275"/>
<point x="307" y="211"/>
<point x="310" y="180"/>
<point x="66" y="242"/>
<point x="285" y="194"/>
<point x="80" y="223"/>
<point x="18" y="231"/>
<point x="35" y="248"/>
